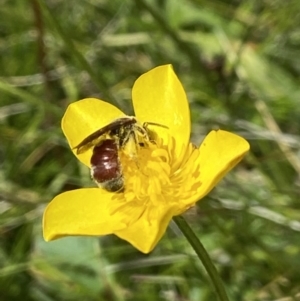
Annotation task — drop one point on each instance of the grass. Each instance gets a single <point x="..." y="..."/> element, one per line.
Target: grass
<point x="239" y="64"/>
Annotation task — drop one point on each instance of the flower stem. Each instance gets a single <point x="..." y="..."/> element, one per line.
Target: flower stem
<point x="203" y="256"/>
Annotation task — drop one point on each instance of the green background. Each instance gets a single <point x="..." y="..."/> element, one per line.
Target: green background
<point x="239" y="62"/>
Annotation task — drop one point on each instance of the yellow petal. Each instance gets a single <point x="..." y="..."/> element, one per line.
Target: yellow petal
<point x="145" y="233"/>
<point x="159" y="97"/>
<point x="219" y="153"/>
<point x="84" y="117"/>
<point x="81" y="212"/>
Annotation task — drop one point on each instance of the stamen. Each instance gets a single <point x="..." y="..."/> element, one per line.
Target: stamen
<point x="157" y="176"/>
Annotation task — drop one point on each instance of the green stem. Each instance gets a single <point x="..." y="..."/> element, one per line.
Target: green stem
<point x="203" y="256"/>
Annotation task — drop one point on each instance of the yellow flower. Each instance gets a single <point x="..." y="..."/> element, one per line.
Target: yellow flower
<point x="165" y="179"/>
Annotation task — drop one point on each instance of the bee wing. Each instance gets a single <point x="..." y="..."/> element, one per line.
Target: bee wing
<point x="96" y="137"/>
<point x="91" y="140"/>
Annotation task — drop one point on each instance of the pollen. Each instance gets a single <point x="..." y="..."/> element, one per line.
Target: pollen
<point x="156" y="177"/>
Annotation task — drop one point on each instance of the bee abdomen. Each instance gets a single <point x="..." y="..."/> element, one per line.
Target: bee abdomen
<point x="106" y="167"/>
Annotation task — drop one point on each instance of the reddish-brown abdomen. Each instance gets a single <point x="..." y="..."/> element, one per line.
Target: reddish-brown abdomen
<point x="106" y="167"/>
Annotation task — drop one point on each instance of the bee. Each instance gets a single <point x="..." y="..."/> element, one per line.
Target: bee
<point x="122" y="134"/>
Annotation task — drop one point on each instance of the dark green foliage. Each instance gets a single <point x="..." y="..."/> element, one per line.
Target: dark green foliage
<point x="239" y="64"/>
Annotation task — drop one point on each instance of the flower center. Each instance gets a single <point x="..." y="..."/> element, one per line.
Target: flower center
<point x="157" y="178"/>
<point x="147" y="174"/>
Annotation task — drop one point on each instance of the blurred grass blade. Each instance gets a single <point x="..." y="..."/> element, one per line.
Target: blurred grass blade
<point x="78" y="57"/>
